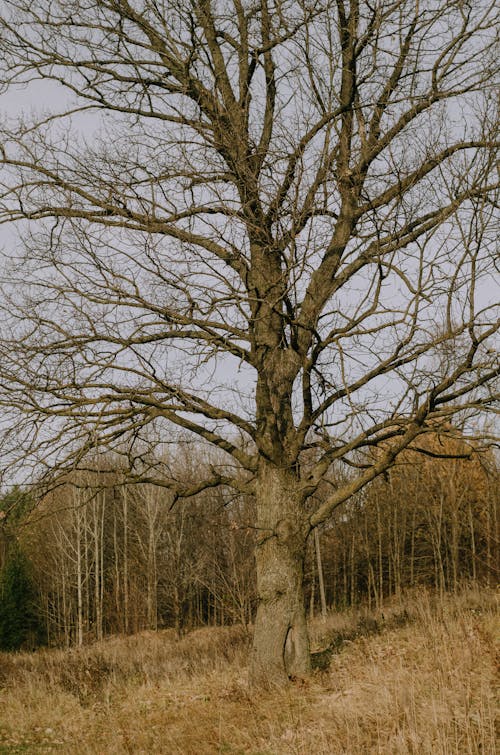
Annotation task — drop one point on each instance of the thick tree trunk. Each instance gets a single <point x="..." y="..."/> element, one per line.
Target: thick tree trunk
<point x="281" y="642"/>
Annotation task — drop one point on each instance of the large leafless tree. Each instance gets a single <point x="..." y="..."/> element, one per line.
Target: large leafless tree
<point x="268" y="224"/>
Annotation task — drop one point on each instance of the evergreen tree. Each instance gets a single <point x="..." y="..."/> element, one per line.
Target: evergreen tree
<point x="20" y="624"/>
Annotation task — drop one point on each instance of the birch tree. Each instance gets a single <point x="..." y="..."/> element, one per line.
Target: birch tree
<point x="256" y="222"/>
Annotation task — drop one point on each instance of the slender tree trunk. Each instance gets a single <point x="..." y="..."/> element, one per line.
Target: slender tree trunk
<point x="395" y="553"/>
<point x="86" y="555"/>
<point x="79" y="572"/>
<point x="321" y="581"/>
<point x="472" y="543"/>
<point x="101" y="570"/>
<point x="370" y="580"/>
<point x="152" y="614"/>
<point x="380" y="556"/>
<point x="353" y="572"/>
<point x="493" y="540"/>
<point x="412" y="552"/>
<point x="126" y="618"/>
<point x="65" y="609"/>
<point x="313" y="588"/>
<point x="177" y="610"/>
<point x="488" y="544"/>
<point x="454" y="504"/>
<point x="281" y="642"/>
<point x="97" y="514"/>
<point x="97" y="562"/>
<point x="345" y="573"/>
<point x="116" y="558"/>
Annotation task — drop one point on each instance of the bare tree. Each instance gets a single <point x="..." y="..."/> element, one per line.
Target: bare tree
<point x="248" y="221"/>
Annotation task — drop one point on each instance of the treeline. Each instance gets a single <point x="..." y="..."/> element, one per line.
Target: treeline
<point x="108" y="559"/>
<point x="430" y="520"/>
<point x="97" y="556"/>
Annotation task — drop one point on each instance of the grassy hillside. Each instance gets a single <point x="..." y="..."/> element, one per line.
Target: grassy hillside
<point x="419" y="678"/>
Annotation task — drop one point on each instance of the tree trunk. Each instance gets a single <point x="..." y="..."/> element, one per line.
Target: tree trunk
<point x="126" y="613"/>
<point x="321" y="580"/>
<point x="313" y="588"/>
<point x="79" y="580"/>
<point x="281" y="642"/>
<point x="472" y="543"/>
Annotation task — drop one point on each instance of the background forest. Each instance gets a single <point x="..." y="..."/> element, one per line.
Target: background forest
<point x="96" y="557"/>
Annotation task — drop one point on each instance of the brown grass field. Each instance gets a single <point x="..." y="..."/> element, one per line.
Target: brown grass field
<point x="418" y="678"/>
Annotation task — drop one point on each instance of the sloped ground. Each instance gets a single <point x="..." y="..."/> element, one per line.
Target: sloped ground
<point x="417" y="678"/>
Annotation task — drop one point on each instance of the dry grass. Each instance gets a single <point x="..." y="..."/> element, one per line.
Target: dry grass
<point x="419" y="679"/>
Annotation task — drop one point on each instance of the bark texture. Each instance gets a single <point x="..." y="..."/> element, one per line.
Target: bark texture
<point x="281" y="642"/>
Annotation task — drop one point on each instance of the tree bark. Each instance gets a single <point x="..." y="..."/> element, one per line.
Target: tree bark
<point x="79" y="580"/>
<point x="321" y="580"/>
<point x="281" y="642"/>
